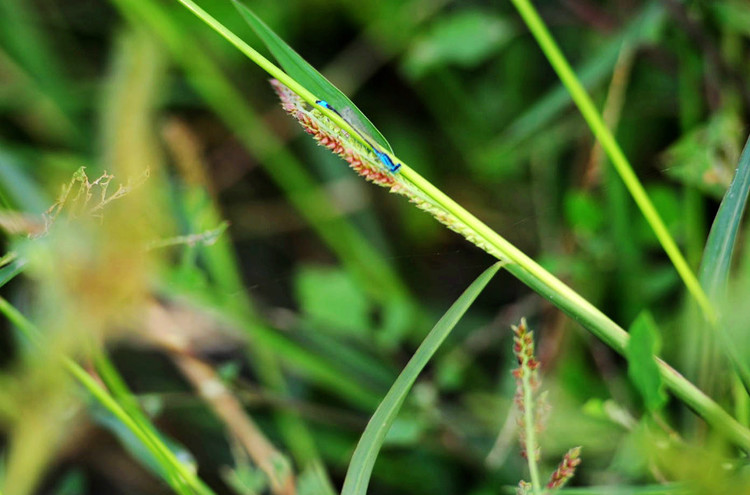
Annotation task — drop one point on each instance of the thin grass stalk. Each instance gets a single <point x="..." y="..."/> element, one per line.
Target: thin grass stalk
<point x="615" y="153"/>
<point x="625" y="170"/>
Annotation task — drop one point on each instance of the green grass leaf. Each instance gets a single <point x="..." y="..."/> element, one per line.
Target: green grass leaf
<point x="305" y="74"/>
<point x="592" y="72"/>
<point x="643" y="371"/>
<point x="717" y="257"/>
<point x="134" y="445"/>
<point x="363" y="460"/>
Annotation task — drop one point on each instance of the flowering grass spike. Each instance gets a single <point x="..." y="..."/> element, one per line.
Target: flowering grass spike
<point x="533" y="410"/>
<point x="369" y="162"/>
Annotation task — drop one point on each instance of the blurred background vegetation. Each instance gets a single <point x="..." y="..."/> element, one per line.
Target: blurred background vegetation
<point x="303" y="308"/>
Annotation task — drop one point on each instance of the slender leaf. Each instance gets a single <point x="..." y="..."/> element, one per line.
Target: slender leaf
<point x="305" y="74"/>
<point x="717" y="256"/>
<point x="139" y="450"/>
<point x="363" y="460"/>
<point x="593" y="72"/>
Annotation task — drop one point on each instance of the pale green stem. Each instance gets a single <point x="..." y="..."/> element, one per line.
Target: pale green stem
<point x="530" y="426"/>
<point x="615" y="153"/>
<point x="521" y="266"/>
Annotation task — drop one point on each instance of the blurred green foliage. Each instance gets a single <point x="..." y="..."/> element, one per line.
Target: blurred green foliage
<point x="323" y="287"/>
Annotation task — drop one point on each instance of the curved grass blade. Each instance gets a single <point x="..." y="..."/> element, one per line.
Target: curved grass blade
<point x="717" y="255"/>
<point x="363" y="460"/>
<point x="305" y="74"/>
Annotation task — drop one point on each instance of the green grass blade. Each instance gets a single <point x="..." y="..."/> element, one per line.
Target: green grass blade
<point x="717" y="256"/>
<point x="363" y="460"/>
<point x="306" y="74"/>
<point x="593" y="72"/>
<point x="614" y="152"/>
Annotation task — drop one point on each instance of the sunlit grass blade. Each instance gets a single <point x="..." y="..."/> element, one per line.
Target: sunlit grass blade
<point x="594" y="71"/>
<point x="306" y="74"/>
<point x="363" y="459"/>
<point x="615" y="154"/>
